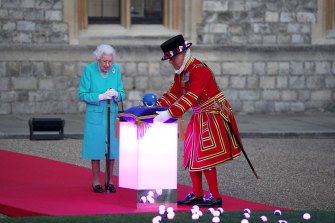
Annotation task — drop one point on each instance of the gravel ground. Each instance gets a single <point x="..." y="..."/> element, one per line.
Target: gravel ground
<point x="295" y="173"/>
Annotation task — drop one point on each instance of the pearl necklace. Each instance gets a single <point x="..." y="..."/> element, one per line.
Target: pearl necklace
<point x="104" y="74"/>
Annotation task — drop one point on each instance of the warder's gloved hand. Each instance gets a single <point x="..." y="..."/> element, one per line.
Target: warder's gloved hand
<point x="162" y="116"/>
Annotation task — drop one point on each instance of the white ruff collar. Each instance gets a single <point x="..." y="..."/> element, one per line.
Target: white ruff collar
<point x="187" y="56"/>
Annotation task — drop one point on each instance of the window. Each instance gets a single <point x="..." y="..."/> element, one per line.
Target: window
<point x="330" y="16"/>
<point x="115" y="11"/>
<point x="92" y="21"/>
<point x="146" y="12"/>
<point x="141" y="11"/>
<point x="103" y="11"/>
<point x="323" y="31"/>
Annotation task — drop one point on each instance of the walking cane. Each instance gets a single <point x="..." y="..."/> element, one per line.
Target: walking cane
<point x="107" y="154"/>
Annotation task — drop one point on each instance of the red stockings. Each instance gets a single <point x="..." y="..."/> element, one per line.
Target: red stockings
<point x="211" y="177"/>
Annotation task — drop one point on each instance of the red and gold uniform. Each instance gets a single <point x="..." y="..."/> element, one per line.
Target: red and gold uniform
<point x="212" y="132"/>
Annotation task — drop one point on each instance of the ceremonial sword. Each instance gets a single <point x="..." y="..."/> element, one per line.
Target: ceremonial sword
<point x="242" y="149"/>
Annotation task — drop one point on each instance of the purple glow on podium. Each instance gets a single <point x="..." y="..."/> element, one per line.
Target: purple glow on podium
<point x="148" y="155"/>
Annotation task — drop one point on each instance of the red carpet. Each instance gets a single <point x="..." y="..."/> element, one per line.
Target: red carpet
<point x="34" y="186"/>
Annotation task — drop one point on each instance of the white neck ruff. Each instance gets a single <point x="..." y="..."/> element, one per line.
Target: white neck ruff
<point x="186" y="58"/>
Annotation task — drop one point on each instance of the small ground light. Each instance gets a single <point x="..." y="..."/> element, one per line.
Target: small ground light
<point x="143" y="199"/>
<point x="277" y="212"/>
<point x="221" y="210"/>
<point x="306" y="216"/>
<point x="157" y="219"/>
<point x="150" y="199"/>
<point x="216" y="213"/>
<point x="169" y="209"/>
<point x="170" y="215"/>
<point x="211" y="210"/>
<point x="247" y="210"/>
<point x="193" y="211"/>
<point x="246" y="215"/>
<point x="161" y="209"/>
<point x="196" y="207"/>
<point x="195" y="216"/>
<point x="264" y="218"/>
<point x="151" y="194"/>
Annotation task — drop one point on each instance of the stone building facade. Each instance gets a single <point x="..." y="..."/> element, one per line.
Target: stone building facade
<point x="268" y="56"/>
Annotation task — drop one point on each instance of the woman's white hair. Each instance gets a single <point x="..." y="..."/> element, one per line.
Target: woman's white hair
<point x="104" y="49"/>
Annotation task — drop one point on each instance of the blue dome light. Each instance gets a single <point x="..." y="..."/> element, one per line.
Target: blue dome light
<point x="149" y="99"/>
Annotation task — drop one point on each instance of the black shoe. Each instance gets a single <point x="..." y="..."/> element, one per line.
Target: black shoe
<point x="211" y="202"/>
<point x="110" y="188"/>
<point x="191" y="199"/>
<point x="98" y="188"/>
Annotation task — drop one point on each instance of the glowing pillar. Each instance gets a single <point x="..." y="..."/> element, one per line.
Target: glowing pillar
<point x="148" y="161"/>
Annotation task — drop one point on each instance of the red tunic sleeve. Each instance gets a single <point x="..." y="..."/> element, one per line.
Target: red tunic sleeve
<point x="172" y="95"/>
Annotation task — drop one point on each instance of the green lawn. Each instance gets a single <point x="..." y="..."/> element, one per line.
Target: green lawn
<point x="182" y="217"/>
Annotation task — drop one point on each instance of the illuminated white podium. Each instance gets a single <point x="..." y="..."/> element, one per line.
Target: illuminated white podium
<point x="148" y="162"/>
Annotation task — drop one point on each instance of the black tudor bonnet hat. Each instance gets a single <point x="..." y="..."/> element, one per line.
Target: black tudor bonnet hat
<point x="174" y="46"/>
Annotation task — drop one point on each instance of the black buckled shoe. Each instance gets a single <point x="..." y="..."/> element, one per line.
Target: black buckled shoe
<point x="98" y="189"/>
<point x="191" y="199"/>
<point x="211" y="202"/>
<point x="110" y="188"/>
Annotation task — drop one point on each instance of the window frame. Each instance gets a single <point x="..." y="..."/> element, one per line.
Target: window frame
<point x="323" y="31"/>
<point x="148" y="20"/>
<point x="170" y="17"/>
<point x="184" y="20"/>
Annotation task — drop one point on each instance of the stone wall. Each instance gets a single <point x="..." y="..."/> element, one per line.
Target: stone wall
<point x="32" y="21"/>
<point x="257" y="22"/>
<point x="259" y="50"/>
<point x="40" y="79"/>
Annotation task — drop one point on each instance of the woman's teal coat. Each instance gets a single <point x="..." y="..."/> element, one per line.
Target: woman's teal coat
<point x="95" y="133"/>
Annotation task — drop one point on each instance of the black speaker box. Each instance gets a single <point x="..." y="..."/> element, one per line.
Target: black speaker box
<point x="46" y="128"/>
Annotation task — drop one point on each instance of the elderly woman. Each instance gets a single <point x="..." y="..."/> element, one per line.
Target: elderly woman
<point x="101" y="81"/>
